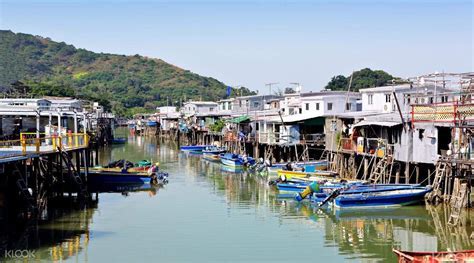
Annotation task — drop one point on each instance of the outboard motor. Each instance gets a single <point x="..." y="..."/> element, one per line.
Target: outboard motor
<point x="312" y="188"/>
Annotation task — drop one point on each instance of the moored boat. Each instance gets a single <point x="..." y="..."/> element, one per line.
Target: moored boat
<point x="211" y="157"/>
<point x="100" y="176"/>
<point x="432" y="256"/>
<point x="119" y="140"/>
<point x="235" y="160"/>
<point x="300" y="174"/>
<point x="151" y="123"/>
<point x="213" y="150"/>
<point x="194" y="148"/>
<point x="385" y="196"/>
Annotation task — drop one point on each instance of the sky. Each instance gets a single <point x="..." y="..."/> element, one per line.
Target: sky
<point x="251" y="43"/>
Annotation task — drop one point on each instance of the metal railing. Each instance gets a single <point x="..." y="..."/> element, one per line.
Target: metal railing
<point x="313" y="138"/>
<point x="372" y="146"/>
<point x="270" y="138"/>
<point x="27" y="145"/>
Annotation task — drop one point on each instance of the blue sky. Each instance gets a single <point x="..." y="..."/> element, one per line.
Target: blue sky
<point x="251" y="43"/>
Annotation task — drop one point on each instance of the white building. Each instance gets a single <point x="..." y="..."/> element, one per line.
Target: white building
<point x="381" y="99"/>
<point x="200" y="108"/>
<point x="328" y="102"/>
<point x="290" y="104"/>
<point x="225" y="106"/>
<point x="166" y="109"/>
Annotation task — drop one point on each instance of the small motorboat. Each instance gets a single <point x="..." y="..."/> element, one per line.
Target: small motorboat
<point x="236" y="160"/>
<point x="213" y="150"/>
<point x="381" y="196"/>
<point x="103" y="175"/>
<point x="194" y="148"/>
<point x="211" y="157"/>
<point x="151" y="123"/>
<point x="119" y="140"/>
<point x="300" y="174"/>
<point x="431" y="256"/>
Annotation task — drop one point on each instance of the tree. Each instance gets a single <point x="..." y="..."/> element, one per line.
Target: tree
<point x="364" y="78"/>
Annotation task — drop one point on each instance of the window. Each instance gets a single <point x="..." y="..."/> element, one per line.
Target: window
<point x="348" y="106"/>
<point x="300" y="110"/>
<point x="240" y="103"/>
<point x="370" y="99"/>
<point x="317" y="106"/>
<point x="211" y="109"/>
<point x="387" y="97"/>
<point x="307" y="106"/>
<point x="256" y="104"/>
<point x="330" y="106"/>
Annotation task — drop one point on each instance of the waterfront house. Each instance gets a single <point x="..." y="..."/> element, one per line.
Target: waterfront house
<point x="225" y="106"/>
<point x="191" y="108"/>
<point x="329" y="102"/>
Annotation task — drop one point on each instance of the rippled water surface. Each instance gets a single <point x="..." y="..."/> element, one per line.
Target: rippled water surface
<point x="207" y="214"/>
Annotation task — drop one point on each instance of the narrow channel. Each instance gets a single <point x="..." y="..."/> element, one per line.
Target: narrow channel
<point x="208" y="214"/>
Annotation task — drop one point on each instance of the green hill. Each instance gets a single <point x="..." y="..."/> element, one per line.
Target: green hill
<point x="126" y="84"/>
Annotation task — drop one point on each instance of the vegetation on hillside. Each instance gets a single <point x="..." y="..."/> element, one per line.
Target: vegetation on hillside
<point x="125" y="84"/>
<point x="364" y="78"/>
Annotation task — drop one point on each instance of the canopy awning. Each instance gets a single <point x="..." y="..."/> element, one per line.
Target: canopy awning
<point x="239" y="119"/>
<point x="377" y="123"/>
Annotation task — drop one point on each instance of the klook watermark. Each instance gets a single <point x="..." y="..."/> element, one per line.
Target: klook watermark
<point x="18" y="253"/>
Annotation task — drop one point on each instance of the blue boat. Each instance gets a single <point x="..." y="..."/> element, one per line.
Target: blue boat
<point x="235" y="160"/>
<point x="108" y="177"/>
<point x="120" y="140"/>
<point x="151" y="123"/>
<point x="311" y="166"/>
<point x="194" y="148"/>
<point x="385" y="196"/>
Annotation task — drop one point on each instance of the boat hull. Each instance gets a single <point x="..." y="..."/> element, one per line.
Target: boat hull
<point x="367" y="198"/>
<point x="299" y="174"/>
<point x="432" y="256"/>
<point x="118" y="178"/>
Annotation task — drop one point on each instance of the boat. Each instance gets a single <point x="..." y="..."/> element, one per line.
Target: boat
<point x="211" y="157"/>
<point x="151" y="123"/>
<point x="265" y="168"/>
<point x="213" y="150"/>
<point x="310" y="166"/>
<point x="194" y="148"/>
<point x="100" y="176"/>
<point x="119" y="140"/>
<point x="381" y="196"/>
<point x="432" y="256"/>
<point x="300" y="174"/>
<point x="236" y="160"/>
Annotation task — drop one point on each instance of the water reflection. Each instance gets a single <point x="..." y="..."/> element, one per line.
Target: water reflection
<point x="367" y="234"/>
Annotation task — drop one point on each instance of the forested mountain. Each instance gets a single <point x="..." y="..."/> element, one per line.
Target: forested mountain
<point x="126" y="84"/>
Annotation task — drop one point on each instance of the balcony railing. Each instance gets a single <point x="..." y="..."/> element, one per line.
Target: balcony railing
<point x="29" y="145"/>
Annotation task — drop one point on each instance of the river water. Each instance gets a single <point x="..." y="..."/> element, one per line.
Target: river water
<point x="206" y="214"/>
